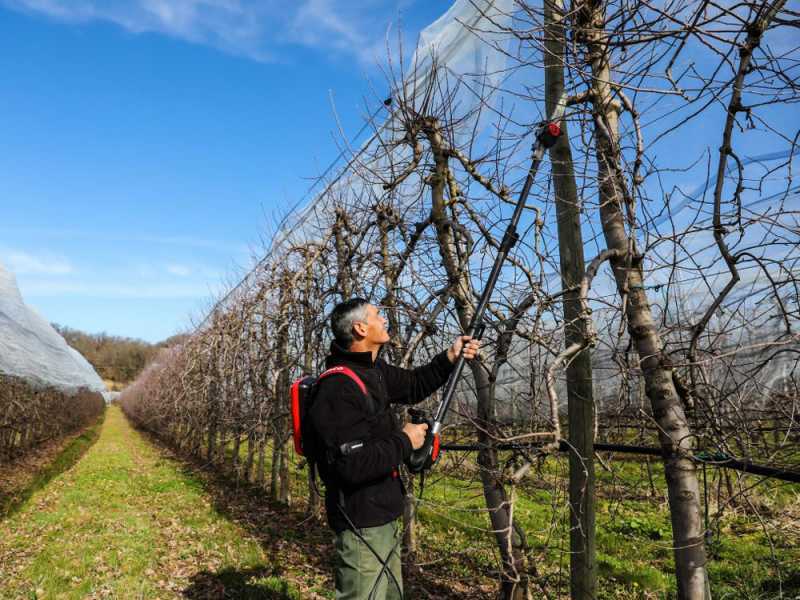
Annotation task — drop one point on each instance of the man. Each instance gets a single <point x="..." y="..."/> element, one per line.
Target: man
<point x="360" y="445"/>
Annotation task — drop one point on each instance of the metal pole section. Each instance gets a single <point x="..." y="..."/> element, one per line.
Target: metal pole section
<point x="510" y="238"/>
<point x="546" y="136"/>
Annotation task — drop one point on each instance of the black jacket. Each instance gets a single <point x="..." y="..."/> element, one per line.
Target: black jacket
<point x="366" y="480"/>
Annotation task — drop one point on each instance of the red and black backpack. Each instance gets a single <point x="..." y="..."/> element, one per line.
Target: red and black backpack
<point x="302" y="398"/>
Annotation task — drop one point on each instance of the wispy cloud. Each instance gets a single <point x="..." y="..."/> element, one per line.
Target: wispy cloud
<point x="229" y="25"/>
<point x="50" y="275"/>
<point x="236" y="249"/>
<point x="116" y="290"/>
<point x="178" y="270"/>
<point x="25" y="263"/>
<point x="256" y="30"/>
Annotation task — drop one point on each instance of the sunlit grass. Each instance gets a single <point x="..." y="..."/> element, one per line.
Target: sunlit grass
<point x="125" y="522"/>
<point x="634" y="534"/>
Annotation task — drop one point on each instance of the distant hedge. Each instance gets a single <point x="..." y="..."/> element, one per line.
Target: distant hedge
<point x="30" y="416"/>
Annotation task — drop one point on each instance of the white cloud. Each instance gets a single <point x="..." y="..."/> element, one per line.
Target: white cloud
<point x="178" y="270"/>
<point x="112" y="289"/>
<point x="50" y="275"/>
<point x="317" y="21"/>
<point x="99" y="236"/>
<point x="24" y="263"/>
<point x="256" y="30"/>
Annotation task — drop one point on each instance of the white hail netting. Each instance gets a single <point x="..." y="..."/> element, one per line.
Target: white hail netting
<point x="32" y="350"/>
<point x="469" y="57"/>
<point x="464" y="43"/>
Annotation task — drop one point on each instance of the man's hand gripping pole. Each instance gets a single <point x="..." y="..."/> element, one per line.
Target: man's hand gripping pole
<point x="426" y="456"/>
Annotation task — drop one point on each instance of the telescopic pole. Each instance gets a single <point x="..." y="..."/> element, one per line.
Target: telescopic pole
<point x="546" y="135"/>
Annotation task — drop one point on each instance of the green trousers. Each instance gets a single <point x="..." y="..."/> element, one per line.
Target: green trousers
<point x="357" y="569"/>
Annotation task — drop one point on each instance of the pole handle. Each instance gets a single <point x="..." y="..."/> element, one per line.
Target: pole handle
<point x="425" y="456"/>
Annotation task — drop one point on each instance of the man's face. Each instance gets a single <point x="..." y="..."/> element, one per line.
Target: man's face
<point x="373" y="329"/>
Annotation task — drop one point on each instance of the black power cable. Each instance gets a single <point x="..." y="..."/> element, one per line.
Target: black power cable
<point x="384" y="563"/>
<point x="712" y="459"/>
<point x="355" y="530"/>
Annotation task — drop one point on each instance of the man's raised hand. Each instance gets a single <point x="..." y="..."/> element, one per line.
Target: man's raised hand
<point x="469" y="346"/>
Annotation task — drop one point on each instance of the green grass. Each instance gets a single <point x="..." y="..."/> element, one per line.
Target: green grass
<point x="125" y="522"/>
<point x="71" y="454"/>
<point x="634" y="534"/>
<point x="634" y="554"/>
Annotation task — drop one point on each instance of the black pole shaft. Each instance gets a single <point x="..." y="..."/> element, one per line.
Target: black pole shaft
<point x="510" y="238"/>
<point x="546" y="136"/>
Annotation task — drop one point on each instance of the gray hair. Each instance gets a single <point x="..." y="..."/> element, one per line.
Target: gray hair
<point x="343" y="317"/>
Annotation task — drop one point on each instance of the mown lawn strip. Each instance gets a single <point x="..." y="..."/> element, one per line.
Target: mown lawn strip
<point x="125" y="522"/>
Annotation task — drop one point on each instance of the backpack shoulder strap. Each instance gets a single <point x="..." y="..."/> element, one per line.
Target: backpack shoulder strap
<point x="348" y="372"/>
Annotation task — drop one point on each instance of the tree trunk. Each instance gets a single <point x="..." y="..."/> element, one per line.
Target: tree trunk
<point x="262" y="443"/>
<point x="343" y="255"/>
<point x="674" y="433"/>
<point x="285" y="491"/>
<point x="314" y="500"/>
<point x="237" y="445"/>
<point x="514" y="578"/>
<point x="580" y="402"/>
<point x="248" y="466"/>
<point x="222" y="446"/>
<point x="280" y="452"/>
<point x="212" y="423"/>
<point x="274" y="480"/>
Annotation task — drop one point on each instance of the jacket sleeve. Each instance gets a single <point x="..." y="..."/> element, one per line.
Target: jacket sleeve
<point x="411" y="386"/>
<point x="340" y="415"/>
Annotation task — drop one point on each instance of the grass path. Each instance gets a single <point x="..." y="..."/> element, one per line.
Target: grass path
<point x="126" y="522"/>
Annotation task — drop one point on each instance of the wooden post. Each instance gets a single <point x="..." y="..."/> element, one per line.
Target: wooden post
<point x="580" y="403"/>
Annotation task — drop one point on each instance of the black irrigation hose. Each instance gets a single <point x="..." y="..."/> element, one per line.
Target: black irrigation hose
<point x="717" y="459"/>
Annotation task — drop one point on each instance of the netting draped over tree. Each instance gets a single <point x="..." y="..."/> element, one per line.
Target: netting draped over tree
<point x="652" y="299"/>
<point x="46" y="387"/>
<point x="31" y="349"/>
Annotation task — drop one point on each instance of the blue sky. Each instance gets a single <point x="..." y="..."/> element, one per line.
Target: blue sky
<point x="147" y="144"/>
